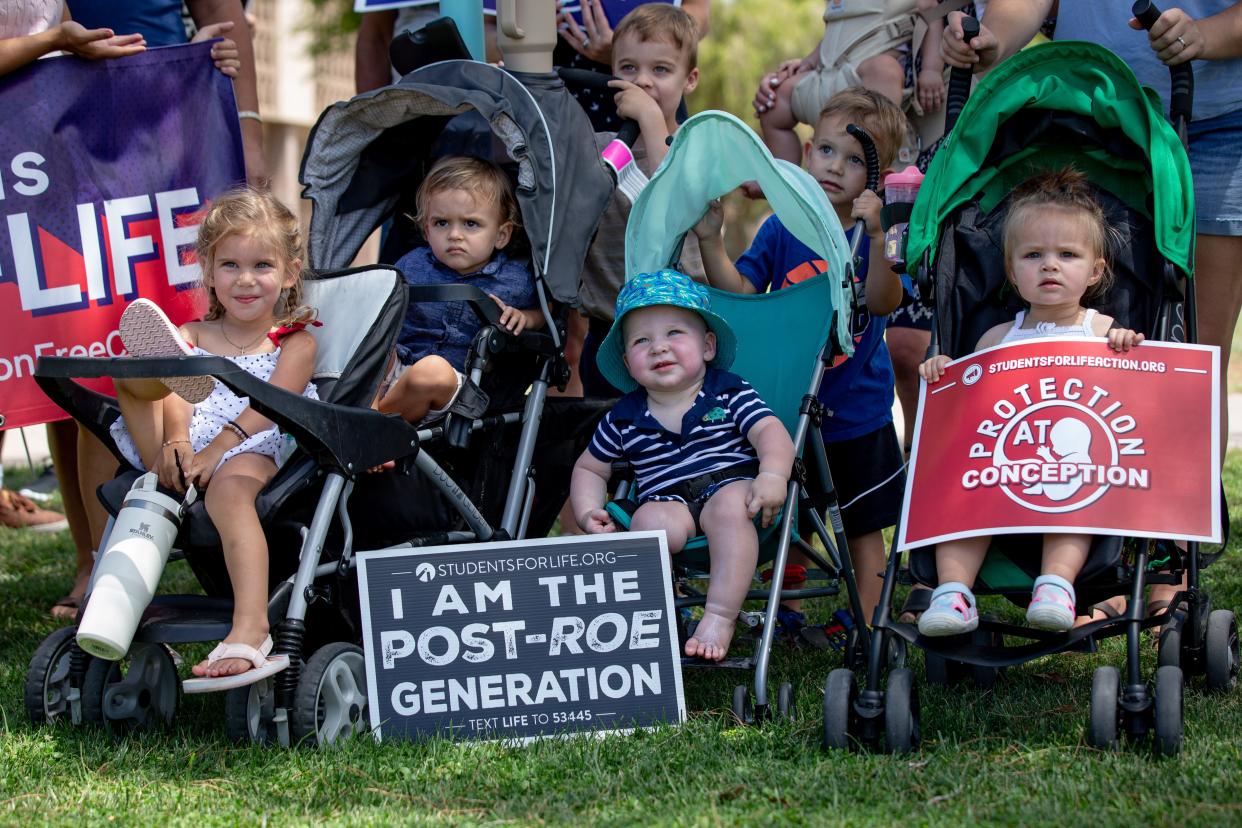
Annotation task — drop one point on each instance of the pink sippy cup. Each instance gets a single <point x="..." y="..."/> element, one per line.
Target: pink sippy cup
<point x="899" y="188"/>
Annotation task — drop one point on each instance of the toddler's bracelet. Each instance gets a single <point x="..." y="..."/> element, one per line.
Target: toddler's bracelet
<point x="168" y="443"/>
<point x="249" y="115"/>
<point x="241" y="433"/>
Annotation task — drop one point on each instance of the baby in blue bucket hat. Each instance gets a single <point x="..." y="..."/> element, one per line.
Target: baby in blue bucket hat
<point x="707" y="452"/>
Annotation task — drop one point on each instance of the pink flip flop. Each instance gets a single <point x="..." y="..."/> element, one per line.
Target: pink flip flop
<point x="263" y="664"/>
<point x="147" y="332"/>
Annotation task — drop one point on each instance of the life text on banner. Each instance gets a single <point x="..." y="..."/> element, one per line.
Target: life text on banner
<point x="104" y="168"/>
<point x="1066" y="435"/>
<point x="517" y="640"/>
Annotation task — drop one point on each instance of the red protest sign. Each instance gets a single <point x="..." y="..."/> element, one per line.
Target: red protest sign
<point x="1068" y="435"/>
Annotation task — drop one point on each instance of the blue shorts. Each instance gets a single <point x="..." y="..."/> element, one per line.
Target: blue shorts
<point x="1216" y="165"/>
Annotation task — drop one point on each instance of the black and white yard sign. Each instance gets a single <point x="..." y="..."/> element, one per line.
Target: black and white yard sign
<point x="521" y="639"/>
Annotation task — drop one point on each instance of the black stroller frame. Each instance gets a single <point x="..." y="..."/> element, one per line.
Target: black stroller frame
<point x="321" y="696"/>
<point x="1196" y="639"/>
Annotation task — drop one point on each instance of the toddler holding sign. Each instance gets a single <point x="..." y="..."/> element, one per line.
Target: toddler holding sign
<point x="704" y="446"/>
<point x="1056" y="242"/>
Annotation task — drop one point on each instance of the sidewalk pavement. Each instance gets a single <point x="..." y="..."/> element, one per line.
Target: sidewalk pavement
<point x="14" y="454"/>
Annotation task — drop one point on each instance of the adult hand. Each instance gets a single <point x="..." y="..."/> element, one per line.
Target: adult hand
<point x="979" y="54"/>
<point x="593" y="39"/>
<point x="224" y="54"/>
<point x="931" y="90"/>
<point x="98" y="44"/>
<point x="1175" y="37"/>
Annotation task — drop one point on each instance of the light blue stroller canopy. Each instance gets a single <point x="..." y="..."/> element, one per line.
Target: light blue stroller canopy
<point x="712" y="154"/>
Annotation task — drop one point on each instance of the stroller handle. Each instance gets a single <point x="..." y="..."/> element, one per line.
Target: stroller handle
<point x="1182" y="77"/>
<point x="959" y="79"/>
<point x="873" y="180"/>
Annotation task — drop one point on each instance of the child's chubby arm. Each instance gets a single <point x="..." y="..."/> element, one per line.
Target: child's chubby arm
<point x="931" y="90"/>
<point x="717" y="266"/>
<point x="1119" y="339"/>
<point x="776" y="455"/>
<point x="588" y="491"/>
<point x="515" y="320"/>
<point x="933" y="369"/>
<point x="632" y="102"/>
<point x="884" y="290"/>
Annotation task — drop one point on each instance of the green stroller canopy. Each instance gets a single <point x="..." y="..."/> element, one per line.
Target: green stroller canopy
<point x="1073" y="77"/>
<point x="712" y="154"/>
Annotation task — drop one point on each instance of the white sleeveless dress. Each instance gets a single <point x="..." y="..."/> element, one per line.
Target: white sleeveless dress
<point x="1045" y="329"/>
<point x="221" y="406"/>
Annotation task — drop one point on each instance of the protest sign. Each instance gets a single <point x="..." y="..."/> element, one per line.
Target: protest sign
<point x="104" y="166"/>
<point x="1066" y="435"/>
<point x="516" y="640"/>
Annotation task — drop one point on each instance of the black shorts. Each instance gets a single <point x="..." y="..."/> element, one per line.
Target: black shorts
<point x="870" y="480"/>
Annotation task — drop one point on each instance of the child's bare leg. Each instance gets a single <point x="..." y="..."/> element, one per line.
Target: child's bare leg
<point x="427" y="385"/>
<point x="777" y="123"/>
<point x="952" y="610"/>
<point x="230" y="503"/>
<point x="883" y="73"/>
<point x="139" y="401"/>
<point x="671" y="516"/>
<point x="1052" y="600"/>
<point x="867" y="555"/>
<point x="734" y="552"/>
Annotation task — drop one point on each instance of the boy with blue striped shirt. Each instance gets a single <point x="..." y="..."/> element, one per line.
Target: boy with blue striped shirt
<point x="706" y="450"/>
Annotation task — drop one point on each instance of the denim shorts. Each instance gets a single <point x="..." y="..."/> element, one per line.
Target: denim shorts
<point x="1216" y="164"/>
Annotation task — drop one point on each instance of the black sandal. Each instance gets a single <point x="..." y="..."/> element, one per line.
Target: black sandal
<point x="916" y="603"/>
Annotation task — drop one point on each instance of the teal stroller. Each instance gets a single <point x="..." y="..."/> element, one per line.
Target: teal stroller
<point x="712" y="154"/>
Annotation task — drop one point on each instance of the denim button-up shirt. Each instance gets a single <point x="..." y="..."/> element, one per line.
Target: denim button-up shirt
<point x="448" y="328"/>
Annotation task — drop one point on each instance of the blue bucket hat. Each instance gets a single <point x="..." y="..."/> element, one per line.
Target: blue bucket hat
<point x="664" y="287"/>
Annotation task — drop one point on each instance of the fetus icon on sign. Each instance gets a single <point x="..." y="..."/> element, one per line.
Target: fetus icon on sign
<point x="1071" y="443"/>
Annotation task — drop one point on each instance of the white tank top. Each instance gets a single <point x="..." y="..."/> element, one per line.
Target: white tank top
<point x="1042" y="329"/>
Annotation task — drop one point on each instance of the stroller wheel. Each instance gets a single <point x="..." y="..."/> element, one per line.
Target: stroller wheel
<point x="1105" y="714"/>
<point x="330" y="703"/>
<point x="786" y="703"/>
<point x="840" y="692"/>
<point x="137" y="693"/>
<point x="47" y="678"/>
<point x="249" y="713"/>
<point x="1169" y="710"/>
<point x="894" y="651"/>
<point x="743" y="707"/>
<point x="1221" y="650"/>
<point x="901" y="712"/>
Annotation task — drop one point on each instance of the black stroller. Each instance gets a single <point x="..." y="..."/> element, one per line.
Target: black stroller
<point x="364" y="159"/>
<point x="1043" y="109"/>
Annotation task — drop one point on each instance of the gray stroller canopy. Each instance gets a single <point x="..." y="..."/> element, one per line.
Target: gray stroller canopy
<point x="366" y="154"/>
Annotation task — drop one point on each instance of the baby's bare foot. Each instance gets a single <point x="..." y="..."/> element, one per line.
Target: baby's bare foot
<point x="711" y="638"/>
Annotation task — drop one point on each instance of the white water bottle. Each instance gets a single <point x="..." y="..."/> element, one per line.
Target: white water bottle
<point x="129" y="570"/>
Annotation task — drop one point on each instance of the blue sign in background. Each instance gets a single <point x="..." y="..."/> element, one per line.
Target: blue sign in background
<point x="519" y="640"/>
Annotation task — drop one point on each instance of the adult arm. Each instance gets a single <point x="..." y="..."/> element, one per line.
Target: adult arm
<point x="206" y="12"/>
<point x="1010" y="25"/>
<point x="1218" y="37"/>
<point x="371" y="66"/>
<point x="701" y="11"/>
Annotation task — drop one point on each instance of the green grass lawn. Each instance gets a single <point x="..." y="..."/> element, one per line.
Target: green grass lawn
<point x="1013" y="756"/>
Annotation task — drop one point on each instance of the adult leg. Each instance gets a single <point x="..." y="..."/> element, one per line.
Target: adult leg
<point x="230" y="504"/>
<point x="734" y="550"/>
<point x="427" y="385"/>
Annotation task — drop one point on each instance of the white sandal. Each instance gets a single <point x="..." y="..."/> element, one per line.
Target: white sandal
<point x="147" y="332"/>
<point x="263" y="666"/>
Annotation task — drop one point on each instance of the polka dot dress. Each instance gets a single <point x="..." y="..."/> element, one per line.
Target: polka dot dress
<point x="223" y="405"/>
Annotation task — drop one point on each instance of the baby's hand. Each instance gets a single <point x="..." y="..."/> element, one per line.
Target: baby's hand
<point x="511" y="319"/>
<point x="597" y="522"/>
<point x="767" y="493"/>
<point x="709" y="227"/>
<point x="1123" y="339"/>
<point x="931" y="90"/>
<point x="867" y="207"/>
<point x="933" y="369"/>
